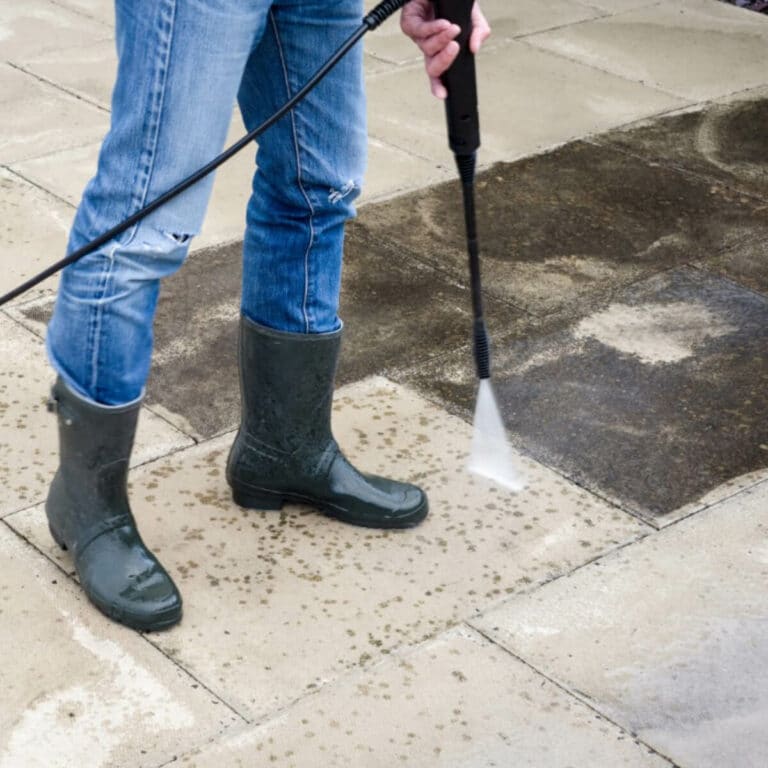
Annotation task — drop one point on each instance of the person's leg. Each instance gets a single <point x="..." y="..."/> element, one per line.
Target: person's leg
<point x="310" y="172"/>
<point x="311" y="165"/>
<point x="180" y="65"/>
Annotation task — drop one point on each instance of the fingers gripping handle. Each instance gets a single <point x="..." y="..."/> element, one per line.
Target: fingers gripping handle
<point x="460" y="81"/>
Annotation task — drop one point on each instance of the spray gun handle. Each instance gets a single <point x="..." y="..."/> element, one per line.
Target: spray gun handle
<point x="460" y="81"/>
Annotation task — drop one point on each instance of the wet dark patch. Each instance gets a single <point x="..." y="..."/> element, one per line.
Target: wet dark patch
<point x="724" y="142"/>
<point x="571" y="225"/>
<point x="654" y="436"/>
<point x="194" y="369"/>
<point x="397" y="313"/>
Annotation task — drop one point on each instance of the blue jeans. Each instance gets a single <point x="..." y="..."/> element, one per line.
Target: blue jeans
<point x="182" y="65"/>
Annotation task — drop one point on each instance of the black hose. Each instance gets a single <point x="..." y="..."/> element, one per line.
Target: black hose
<point x="371" y="21"/>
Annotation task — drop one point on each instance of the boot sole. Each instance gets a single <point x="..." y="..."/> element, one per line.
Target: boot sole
<point x="269" y="501"/>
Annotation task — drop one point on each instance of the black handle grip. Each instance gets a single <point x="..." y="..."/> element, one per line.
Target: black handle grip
<point x="460" y="81"/>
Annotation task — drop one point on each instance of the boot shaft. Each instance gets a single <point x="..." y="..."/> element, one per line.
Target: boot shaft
<point x="286" y="385"/>
<point x="95" y="444"/>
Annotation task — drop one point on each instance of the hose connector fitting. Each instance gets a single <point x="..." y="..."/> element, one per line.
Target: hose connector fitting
<point x="382" y="12"/>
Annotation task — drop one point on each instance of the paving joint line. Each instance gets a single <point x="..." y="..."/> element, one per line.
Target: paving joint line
<point x="143" y="635"/>
<point x="63" y="89"/>
<point x="707" y="507"/>
<point x="651" y="87"/>
<point x="578" y="695"/>
<point x="84" y="14"/>
<point x="37" y="185"/>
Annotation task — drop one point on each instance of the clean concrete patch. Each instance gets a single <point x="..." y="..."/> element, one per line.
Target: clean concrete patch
<point x="278" y="604"/>
<point x="457" y="701"/>
<point x="79" y="690"/>
<point x="657" y="332"/>
<point x="545" y="102"/>
<point x="87" y="71"/>
<point x="33" y="233"/>
<point x="64" y="173"/>
<point x="29" y="131"/>
<point x="507" y="20"/>
<point x="102" y="10"/>
<point x="35" y="26"/>
<point x="666" y="637"/>
<point x="699" y="49"/>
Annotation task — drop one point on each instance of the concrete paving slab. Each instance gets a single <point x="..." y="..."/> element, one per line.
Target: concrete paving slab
<point x="64" y="173"/>
<point x="33" y="233"/>
<point x="560" y="229"/>
<point x="35" y="26"/>
<point x="456" y="701"/>
<point x="28" y="439"/>
<point x="654" y="400"/>
<point x="698" y="50"/>
<point x="744" y="263"/>
<point x="546" y="101"/>
<point x="393" y="171"/>
<point x="28" y="131"/>
<point x="666" y="637"/>
<point x="87" y="71"/>
<point x="619" y="6"/>
<point x="279" y="604"/>
<point x="507" y="20"/>
<point x="103" y="10"/>
<point x="79" y="690"/>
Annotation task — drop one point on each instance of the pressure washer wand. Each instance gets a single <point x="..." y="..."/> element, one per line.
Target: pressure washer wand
<point x="490" y="455"/>
<point x="464" y="139"/>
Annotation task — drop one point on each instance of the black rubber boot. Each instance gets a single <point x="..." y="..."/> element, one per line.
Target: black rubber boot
<point x="89" y="514"/>
<point x="285" y="450"/>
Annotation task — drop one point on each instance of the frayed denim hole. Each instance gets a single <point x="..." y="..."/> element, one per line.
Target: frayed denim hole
<point x="337" y="195"/>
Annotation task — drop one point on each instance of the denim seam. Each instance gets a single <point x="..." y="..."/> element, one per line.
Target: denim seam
<point x="95" y="330"/>
<point x="297" y="150"/>
<point x="151" y="130"/>
<point x="153" y="122"/>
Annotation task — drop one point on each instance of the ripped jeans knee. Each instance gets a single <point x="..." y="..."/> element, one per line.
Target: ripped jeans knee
<point x="99" y="339"/>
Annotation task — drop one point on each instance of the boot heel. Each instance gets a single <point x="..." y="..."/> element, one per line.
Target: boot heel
<point x="55" y="536"/>
<point x="257" y="499"/>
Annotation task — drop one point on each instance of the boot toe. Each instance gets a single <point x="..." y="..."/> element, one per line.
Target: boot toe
<point x="128" y="584"/>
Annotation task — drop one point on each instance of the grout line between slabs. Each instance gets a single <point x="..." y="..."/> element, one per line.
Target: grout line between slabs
<point x="37" y="185"/>
<point x="143" y="635"/>
<point x="63" y="89"/>
<point x="575" y="694"/>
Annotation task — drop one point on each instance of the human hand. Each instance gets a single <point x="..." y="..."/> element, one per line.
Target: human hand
<point x="436" y="38"/>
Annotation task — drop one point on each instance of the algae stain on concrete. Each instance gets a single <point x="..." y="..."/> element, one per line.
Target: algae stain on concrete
<point x="656" y="333"/>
